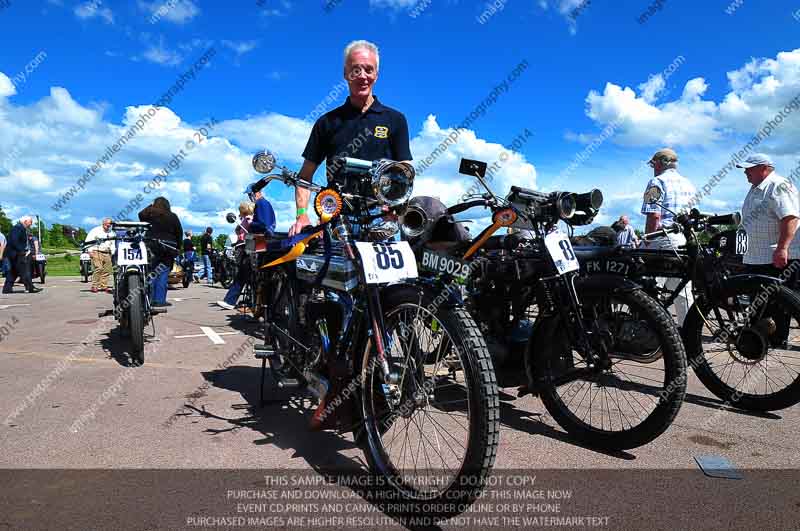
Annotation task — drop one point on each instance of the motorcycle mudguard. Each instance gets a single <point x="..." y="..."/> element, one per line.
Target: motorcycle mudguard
<point x="298" y="249"/>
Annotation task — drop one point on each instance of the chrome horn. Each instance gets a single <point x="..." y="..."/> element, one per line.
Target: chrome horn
<point x="414" y="221"/>
<point x="393" y="182"/>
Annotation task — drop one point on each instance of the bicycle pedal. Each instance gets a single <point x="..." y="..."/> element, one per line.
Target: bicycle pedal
<point x="156" y="311"/>
<point x="263" y="352"/>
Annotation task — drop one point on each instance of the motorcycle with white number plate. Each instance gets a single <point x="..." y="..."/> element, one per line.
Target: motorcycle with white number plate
<point x="345" y="316"/>
<point x="132" y="305"/>
<point x="575" y="342"/>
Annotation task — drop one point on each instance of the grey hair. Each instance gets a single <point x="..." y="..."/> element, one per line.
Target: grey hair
<point x="23" y="219"/>
<point x="365" y="45"/>
<point x="106" y="219"/>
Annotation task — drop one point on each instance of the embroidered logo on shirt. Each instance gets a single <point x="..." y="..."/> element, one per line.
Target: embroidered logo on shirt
<point x="381" y="131"/>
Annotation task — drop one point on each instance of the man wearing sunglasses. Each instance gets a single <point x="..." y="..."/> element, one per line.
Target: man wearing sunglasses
<point x="361" y="128"/>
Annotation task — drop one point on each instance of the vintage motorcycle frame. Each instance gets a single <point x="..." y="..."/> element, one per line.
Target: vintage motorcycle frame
<point x="347" y="288"/>
<point x="716" y="286"/>
<point x="538" y="264"/>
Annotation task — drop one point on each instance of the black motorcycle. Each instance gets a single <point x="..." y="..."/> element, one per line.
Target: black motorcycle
<point x="224" y="266"/>
<point x="132" y="276"/>
<point x="741" y="332"/>
<point x="86" y="266"/>
<point x="186" y="263"/>
<point x="345" y="318"/>
<point x="605" y="358"/>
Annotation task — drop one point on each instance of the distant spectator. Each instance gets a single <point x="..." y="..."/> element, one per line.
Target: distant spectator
<point x="188" y="244"/>
<point x="189" y="255"/>
<point x="3" y="260"/>
<point x="100" y="252"/>
<point x="18" y="252"/>
<point x="206" y="245"/>
<point x="263" y="214"/>
<point x="626" y="236"/>
<point x="243" y="274"/>
<point x="164" y="226"/>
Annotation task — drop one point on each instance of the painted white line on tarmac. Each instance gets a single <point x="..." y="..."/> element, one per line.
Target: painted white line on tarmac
<point x="204" y="335"/>
<point x="213" y="336"/>
<point x="7" y="306"/>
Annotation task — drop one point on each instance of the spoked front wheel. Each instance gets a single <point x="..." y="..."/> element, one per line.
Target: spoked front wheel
<point x="432" y="435"/>
<point x="630" y="390"/>
<point x="751" y="359"/>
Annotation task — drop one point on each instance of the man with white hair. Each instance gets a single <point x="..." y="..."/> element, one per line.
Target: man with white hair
<point x="361" y="128"/>
<point x="18" y="252"/>
<point x="626" y="237"/>
<point x="100" y="251"/>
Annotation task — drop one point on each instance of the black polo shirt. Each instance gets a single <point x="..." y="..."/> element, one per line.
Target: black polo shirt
<point x="379" y="133"/>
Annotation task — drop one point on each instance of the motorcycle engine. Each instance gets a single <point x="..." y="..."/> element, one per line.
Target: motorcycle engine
<point x="636" y="338"/>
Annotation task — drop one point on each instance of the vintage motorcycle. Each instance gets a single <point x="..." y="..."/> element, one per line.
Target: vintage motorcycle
<point x="86" y="266"/>
<point x="132" y="307"/>
<point x="344" y="317"/>
<point x="741" y="333"/>
<point x="38" y="260"/>
<point x="223" y="265"/>
<point x="605" y="358"/>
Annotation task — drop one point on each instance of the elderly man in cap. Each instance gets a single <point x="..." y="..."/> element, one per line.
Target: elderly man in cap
<point x="100" y="251"/>
<point x="770" y="215"/>
<point x="676" y="193"/>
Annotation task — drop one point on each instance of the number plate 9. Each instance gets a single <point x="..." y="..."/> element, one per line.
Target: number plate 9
<point x="387" y="261"/>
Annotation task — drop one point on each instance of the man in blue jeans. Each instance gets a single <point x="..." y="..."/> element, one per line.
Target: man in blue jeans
<point x="206" y="244"/>
<point x="263" y="223"/>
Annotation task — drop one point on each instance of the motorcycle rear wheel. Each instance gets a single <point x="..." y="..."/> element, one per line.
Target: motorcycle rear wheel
<point x="657" y="386"/>
<point x="447" y="383"/>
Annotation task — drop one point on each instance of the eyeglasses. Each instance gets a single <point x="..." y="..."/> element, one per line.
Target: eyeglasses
<point x="356" y="70"/>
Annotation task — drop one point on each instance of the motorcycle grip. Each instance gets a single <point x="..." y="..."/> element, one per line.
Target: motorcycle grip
<point x="725" y="219"/>
<point x="461" y="207"/>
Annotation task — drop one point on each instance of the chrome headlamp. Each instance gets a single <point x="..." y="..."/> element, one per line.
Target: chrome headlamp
<point x="393" y="182"/>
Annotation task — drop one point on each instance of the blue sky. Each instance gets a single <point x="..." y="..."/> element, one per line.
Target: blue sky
<point x="75" y="74"/>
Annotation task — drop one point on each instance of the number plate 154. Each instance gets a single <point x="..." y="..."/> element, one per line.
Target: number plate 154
<point x="387" y="261"/>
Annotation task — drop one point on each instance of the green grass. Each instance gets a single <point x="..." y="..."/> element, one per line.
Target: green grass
<point x="64" y="266"/>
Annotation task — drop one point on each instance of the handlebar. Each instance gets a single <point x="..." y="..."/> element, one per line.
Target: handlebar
<point x="461" y="207"/>
<point x="675" y="228"/>
<point x="352" y="164"/>
<point x="722" y="219"/>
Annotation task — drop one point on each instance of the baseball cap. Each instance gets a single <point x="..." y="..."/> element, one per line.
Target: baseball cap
<point x="665" y="154"/>
<point x="756" y="159"/>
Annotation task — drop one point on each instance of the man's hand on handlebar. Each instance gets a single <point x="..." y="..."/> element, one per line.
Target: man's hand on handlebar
<point x="302" y="221"/>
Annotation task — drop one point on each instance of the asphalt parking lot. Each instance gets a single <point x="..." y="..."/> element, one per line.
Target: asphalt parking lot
<point x="70" y="400"/>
